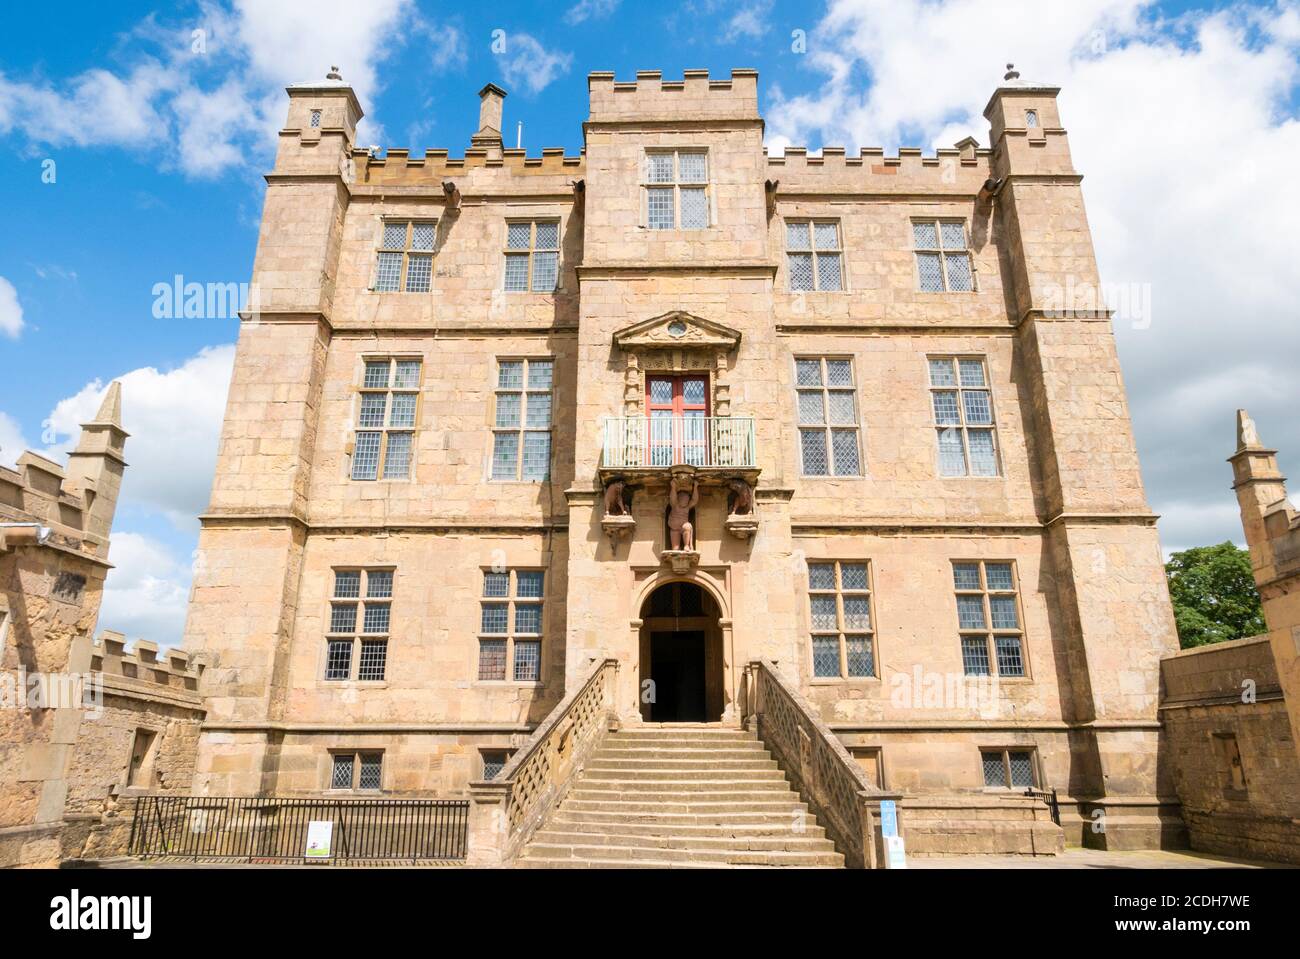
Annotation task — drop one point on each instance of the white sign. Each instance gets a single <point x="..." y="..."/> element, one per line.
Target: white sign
<point x="319" y="835"/>
<point x="895" y="854"/>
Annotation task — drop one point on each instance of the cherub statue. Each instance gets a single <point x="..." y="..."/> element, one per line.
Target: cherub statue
<point x="742" y="501"/>
<point x="681" y="501"/>
<point x="614" y="504"/>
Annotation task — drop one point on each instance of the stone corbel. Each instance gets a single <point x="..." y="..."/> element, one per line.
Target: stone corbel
<point x="618" y="520"/>
<point x="682" y="561"/>
<point x="742" y="520"/>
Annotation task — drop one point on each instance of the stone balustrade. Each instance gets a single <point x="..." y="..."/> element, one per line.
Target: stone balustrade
<point x="845" y="803"/>
<point x="507" y="810"/>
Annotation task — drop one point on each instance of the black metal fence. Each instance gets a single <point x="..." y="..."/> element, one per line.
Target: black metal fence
<point x="1048" y="796"/>
<point x="268" y="829"/>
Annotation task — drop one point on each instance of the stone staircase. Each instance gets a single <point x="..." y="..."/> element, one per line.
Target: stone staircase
<point x="677" y="797"/>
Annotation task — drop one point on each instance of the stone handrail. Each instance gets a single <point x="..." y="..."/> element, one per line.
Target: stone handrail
<point x="507" y="810"/>
<point x="827" y="778"/>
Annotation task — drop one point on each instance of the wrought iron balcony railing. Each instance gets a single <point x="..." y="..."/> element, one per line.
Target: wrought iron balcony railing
<point x="718" y="442"/>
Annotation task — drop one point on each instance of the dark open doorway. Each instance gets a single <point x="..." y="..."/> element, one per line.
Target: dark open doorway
<point x="677" y="668"/>
<point x="681" y="656"/>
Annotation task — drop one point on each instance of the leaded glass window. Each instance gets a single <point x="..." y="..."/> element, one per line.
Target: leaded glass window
<point x="840" y="619"/>
<point x="532" y="256"/>
<point x="676" y="186"/>
<point x="814" y="255"/>
<point x="1008" y="768"/>
<point x="405" y="258"/>
<point x="511" y="625"/>
<point x="521" y="437"/>
<point x="943" y="263"/>
<point x="988" y="618"/>
<point x="360" y="617"/>
<point x="387" y="406"/>
<point x="962" y="404"/>
<point x="827" y="409"/>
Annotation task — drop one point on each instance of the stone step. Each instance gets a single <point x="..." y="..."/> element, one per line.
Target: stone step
<point x="603" y="863"/>
<point x="692" y="736"/>
<point x="652" y="764"/>
<point x="643" y="751"/>
<point x="697" y="827"/>
<point x="549" y="852"/>
<point x="779" y="806"/>
<point x="713" y="790"/>
<point x="734" y="776"/>
<point x="788" y="843"/>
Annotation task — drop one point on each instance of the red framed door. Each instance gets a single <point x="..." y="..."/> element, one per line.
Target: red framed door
<point x="677" y="408"/>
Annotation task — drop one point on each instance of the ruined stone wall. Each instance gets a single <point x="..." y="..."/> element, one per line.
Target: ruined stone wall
<point x="1222" y="701"/>
<point x="140" y="694"/>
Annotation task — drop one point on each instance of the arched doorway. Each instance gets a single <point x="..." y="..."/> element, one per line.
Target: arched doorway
<point x="681" y="656"/>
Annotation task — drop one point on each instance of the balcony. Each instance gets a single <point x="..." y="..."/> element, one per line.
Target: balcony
<point x="715" y="443"/>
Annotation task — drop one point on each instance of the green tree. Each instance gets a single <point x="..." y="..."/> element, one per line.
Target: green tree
<point x="1214" y="595"/>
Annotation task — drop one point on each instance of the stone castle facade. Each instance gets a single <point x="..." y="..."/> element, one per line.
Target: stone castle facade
<point x="472" y="388"/>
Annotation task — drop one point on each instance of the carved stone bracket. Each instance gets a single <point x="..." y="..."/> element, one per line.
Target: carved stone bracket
<point x="742" y="527"/>
<point x="682" y="560"/>
<point x="617" y="528"/>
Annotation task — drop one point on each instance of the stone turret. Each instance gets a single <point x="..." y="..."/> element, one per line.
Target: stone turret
<point x="96" y="466"/>
<point x="1273" y="534"/>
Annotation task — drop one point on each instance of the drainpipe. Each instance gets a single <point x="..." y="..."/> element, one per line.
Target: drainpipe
<point x="22" y="534"/>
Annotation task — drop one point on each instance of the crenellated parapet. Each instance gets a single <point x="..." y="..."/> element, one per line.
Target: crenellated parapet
<point x="960" y="170"/>
<point x="651" y="98"/>
<point x="144" y="666"/>
<point x="478" y="170"/>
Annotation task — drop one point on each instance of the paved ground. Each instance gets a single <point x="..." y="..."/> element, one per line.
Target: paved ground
<point x="1092" y="859"/>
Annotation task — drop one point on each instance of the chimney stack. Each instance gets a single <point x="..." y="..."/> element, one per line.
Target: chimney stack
<point x="488" y="136"/>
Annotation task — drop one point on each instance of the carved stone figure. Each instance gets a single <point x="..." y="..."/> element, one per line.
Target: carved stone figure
<point x="614" y="503"/>
<point x="742" y="500"/>
<point x="681" y="501"/>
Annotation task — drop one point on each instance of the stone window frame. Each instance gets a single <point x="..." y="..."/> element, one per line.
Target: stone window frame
<point x="357" y="637"/>
<point x="944" y="253"/>
<point x="390" y="390"/>
<point x="315" y="119"/>
<point x="145" y="775"/>
<point x="962" y="428"/>
<point x="358" y="759"/>
<point x="502" y="752"/>
<point x="1226" y="747"/>
<point x="827" y="428"/>
<point x="1004" y="753"/>
<point x="512" y="637"/>
<point x="989" y="632"/>
<point x="877" y="753"/>
<point x="676" y="185"/>
<point x="816" y="252"/>
<point x="407" y="252"/>
<point x="530" y="253"/>
<point x="521" y="429"/>
<point x="842" y="631"/>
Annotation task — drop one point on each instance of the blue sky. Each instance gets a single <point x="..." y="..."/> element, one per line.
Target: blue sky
<point x="1183" y="118"/>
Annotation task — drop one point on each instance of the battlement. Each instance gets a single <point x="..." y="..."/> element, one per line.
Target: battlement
<point x="397" y="166"/>
<point x="109" y="655"/>
<point x="959" y="169"/>
<point x="696" y="96"/>
<point x="38" y="492"/>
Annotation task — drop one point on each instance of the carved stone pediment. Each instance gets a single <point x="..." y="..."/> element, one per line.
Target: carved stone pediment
<point x="677" y="330"/>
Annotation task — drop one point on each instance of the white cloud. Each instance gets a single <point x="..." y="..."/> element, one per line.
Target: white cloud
<point x="589" y="10"/>
<point x="11" y="311"/>
<point x="1185" y="130"/>
<point x="147" y="591"/>
<point x="525" y="62"/>
<point x="12" y="441"/>
<point x="215" y="102"/>
<point x="174" y="419"/>
<point x="749" y="21"/>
